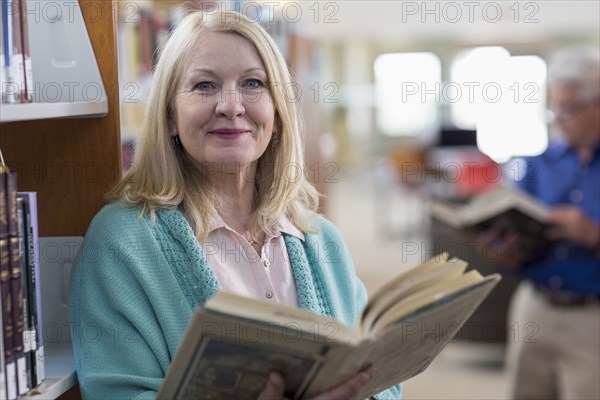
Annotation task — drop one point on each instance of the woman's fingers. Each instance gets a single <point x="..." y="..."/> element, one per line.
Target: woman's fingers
<point x="350" y="388"/>
<point x="274" y="387"/>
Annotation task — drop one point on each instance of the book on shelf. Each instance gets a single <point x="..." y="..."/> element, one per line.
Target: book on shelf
<point x="26" y="91"/>
<point x="502" y="209"/>
<point x="2" y="365"/>
<point x="16" y="286"/>
<point x="233" y="342"/>
<point x="17" y="80"/>
<point x="24" y="290"/>
<point x="10" y="370"/>
<point x="31" y="284"/>
<point x="9" y="83"/>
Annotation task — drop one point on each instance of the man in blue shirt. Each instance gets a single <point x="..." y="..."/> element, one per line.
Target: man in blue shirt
<point x="554" y="336"/>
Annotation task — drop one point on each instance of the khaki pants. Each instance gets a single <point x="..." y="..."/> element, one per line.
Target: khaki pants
<point x="553" y="351"/>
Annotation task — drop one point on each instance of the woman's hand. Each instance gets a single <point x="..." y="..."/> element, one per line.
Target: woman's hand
<point x="348" y="389"/>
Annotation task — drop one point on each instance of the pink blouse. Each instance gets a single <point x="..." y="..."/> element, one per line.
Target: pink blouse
<point x="241" y="270"/>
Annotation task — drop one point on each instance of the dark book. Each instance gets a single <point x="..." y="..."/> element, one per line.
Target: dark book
<point x="22" y="235"/>
<point x="34" y="336"/>
<point x="503" y="210"/>
<point x="16" y="288"/>
<point x="233" y="342"/>
<point x="7" y="315"/>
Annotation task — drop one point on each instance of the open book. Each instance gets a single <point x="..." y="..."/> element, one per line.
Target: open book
<point x="233" y="342"/>
<point x="502" y="209"/>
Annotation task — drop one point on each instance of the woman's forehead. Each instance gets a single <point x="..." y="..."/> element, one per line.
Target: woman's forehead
<point x="221" y="49"/>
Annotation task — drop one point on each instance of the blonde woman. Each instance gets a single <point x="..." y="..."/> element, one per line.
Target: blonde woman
<point x="213" y="201"/>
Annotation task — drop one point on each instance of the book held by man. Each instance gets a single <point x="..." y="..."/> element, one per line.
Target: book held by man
<point x="502" y="210"/>
<point x="233" y="342"/>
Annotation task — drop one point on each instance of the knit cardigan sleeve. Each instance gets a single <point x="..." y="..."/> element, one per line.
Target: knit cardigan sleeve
<point x="125" y="308"/>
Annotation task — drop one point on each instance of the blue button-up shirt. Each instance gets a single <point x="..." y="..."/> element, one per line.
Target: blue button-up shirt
<point x="557" y="177"/>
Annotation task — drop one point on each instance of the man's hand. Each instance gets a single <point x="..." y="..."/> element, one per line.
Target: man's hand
<point x="348" y="389"/>
<point x="570" y="223"/>
<point x="510" y="254"/>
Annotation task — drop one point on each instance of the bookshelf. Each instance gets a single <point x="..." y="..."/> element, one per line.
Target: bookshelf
<point x="67" y="81"/>
<point x="69" y="160"/>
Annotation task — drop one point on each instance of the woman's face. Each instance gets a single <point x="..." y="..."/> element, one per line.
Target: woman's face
<point x="223" y="110"/>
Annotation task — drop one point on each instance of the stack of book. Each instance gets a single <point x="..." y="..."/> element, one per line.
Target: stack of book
<point x="21" y="347"/>
<point x="15" y="61"/>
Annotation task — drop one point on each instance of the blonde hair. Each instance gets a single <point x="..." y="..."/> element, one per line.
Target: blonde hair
<point x="162" y="174"/>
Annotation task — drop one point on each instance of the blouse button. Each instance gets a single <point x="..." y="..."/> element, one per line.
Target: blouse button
<point x="266" y="263"/>
<point x="269" y="294"/>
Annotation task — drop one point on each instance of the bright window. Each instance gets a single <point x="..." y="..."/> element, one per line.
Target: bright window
<point x="505" y="101"/>
<point x="407" y="93"/>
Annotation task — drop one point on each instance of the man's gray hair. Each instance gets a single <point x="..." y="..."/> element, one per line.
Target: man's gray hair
<point x="579" y="66"/>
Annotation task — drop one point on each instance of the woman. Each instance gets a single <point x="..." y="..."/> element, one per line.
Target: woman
<point x="210" y="204"/>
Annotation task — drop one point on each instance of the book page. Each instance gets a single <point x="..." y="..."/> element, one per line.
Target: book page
<point x="500" y="200"/>
<point x="449" y="214"/>
<point x="423" y="298"/>
<point x="405" y="288"/>
<point x="430" y="264"/>
<point x="408" y="347"/>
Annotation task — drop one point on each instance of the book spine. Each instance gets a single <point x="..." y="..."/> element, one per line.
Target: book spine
<point x="26" y="53"/>
<point x="33" y="289"/>
<point x="15" y="283"/>
<point x="24" y="287"/>
<point x="2" y="72"/>
<point x="2" y="226"/>
<point x="7" y="323"/>
<point x="17" y="57"/>
<point x="9" y="85"/>
<point x="2" y="365"/>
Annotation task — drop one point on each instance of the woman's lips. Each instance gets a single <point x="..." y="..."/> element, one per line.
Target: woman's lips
<point x="229" y="133"/>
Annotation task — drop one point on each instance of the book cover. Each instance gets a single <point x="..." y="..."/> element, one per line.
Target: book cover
<point x="17" y="52"/>
<point x="16" y="289"/>
<point x="34" y="287"/>
<point x="10" y="84"/>
<point x="2" y="366"/>
<point x="27" y="91"/>
<point x="22" y="235"/>
<point x="503" y="210"/>
<point x="233" y="342"/>
<point x="7" y="314"/>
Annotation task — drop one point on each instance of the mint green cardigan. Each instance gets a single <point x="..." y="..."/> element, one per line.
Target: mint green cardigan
<point x="136" y="284"/>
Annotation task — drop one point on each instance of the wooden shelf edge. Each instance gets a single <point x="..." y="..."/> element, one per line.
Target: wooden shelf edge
<point x="33" y="111"/>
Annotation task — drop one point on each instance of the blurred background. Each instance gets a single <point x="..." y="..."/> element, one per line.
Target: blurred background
<point x="403" y="102"/>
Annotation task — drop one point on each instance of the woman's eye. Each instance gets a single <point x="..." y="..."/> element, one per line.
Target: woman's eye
<point x="205" y="86"/>
<point x="253" y="84"/>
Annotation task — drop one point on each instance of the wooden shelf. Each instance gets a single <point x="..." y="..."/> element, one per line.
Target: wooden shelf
<point x="33" y="111"/>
